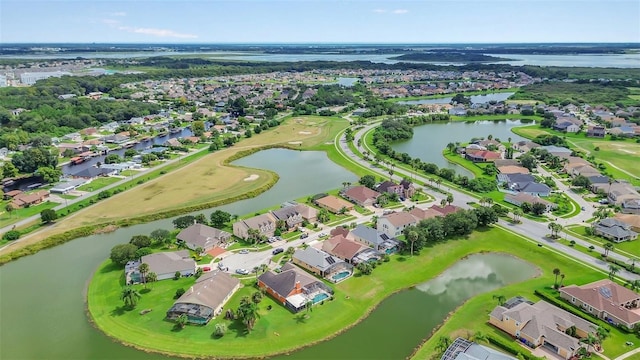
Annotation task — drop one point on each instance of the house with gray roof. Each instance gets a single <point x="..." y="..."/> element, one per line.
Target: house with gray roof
<point x="524" y="183"/>
<point x="167" y="264"/>
<point x="614" y="230"/>
<point x="463" y="349"/>
<point x="322" y="264"/>
<point x="65" y="187"/>
<point x="205" y="299"/>
<point x="92" y="173"/>
<point x="265" y="224"/>
<point x="375" y="239"/>
<point x="294" y="215"/>
<point x="293" y="287"/>
<point x="202" y="236"/>
<point x="559" y="151"/>
<point x="542" y="324"/>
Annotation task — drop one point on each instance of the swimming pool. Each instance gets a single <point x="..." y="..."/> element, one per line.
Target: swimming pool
<point x="319" y="297"/>
<point x="339" y="276"/>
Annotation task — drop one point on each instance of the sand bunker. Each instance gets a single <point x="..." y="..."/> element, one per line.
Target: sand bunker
<point x="295" y="142"/>
<point x="252" y="177"/>
<point x="304" y="132"/>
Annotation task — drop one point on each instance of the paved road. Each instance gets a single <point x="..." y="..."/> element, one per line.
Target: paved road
<point x="69" y="202"/>
<point x="533" y="230"/>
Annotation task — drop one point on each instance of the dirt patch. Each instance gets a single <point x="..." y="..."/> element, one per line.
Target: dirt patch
<point x="305" y="132"/>
<point x="295" y="142"/>
<point x="252" y="177"/>
<point x="106" y="229"/>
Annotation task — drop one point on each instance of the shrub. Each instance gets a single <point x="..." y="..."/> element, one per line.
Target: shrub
<point x="179" y="293"/>
<point x="11" y="235"/>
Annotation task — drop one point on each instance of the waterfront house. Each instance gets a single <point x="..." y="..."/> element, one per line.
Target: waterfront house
<point x="349" y="250"/>
<point x="167" y="264"/>
<point x="205" y="299"/>
<point x="294" y="215"/>
<point x="361" y="195"/>
<point x="482" y="156"/>
<point x="463" y="349"/>
<point x="390" y="187"/>
<point x="202" y="236"/>
<point x="293" y="287"/>
<point x="542" y="324"/>
<point x="322" y="264"/>
<point x="265" y="224"/>
<point x="607" y="300"/>
<point x="333" y="204"/>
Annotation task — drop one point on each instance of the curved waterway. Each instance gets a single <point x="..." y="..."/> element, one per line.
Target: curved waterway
<point x="430" y="140"/>
<point x="404" y="319"/>
<point x="42" y="311"/>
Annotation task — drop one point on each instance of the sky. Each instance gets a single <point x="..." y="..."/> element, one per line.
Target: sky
<point x="319" y="21"/>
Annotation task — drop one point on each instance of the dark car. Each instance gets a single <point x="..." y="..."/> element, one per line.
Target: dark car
<point x="277" y="251"/>
<point x="304" y="236"/>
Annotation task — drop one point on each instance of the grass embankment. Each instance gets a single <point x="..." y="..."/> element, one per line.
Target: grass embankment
<point x="579" y="93"/>
<point x="622" y="154"/>
<point x="441" y="96"/>
<point x="474" y="118"/>
<point x="206" y="182"/>
<point x="278" y="330"/>
<point x="626" y="248"/>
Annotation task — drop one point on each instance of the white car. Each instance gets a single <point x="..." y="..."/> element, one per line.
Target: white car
<point x="242" y="272"/>
<point x="243" y="251"/>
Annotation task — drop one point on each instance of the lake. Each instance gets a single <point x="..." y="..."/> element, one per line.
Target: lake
<point x="43" y="294"/>
<point x="475" y="99"/>
<point x="403" y="320"/>
<point x="429" y="140"/>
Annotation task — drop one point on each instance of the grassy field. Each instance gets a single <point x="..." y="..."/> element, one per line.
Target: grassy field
<point x="466" y="93"/>
<point x="7" y="218"/>
<point x="627" y="248"/>
<point x="98" y="183"/>
<point x="204" y="180"/>
<point x="279" y="330"/>
<point x="622" y="154"/>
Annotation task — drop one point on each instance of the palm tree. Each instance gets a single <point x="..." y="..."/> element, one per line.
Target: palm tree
<point x="613" y="270"/>
<point x="9" y="208"/>
<point x="561" y="280"/>
<point x="449" y="199"/>
<point x="443" y="343"/>
<point x="556" y="272"/>
<point x="590" y="340"/>
<point x="555" y="228"/>
<point x="344" y="184"/>
<point x="478" y="336"/>
<point x="412" y="236"/>
<point x="452" y="147"/>
<point x="182" y="320"/>
<point x="633" y="264"/>
<point x="500" y="298"/>
<point x="144" y="269"/>
<point x="152" y="277"/>
<point x="130" y="296"/>
<point x="607" y="247"/>
<point x="443" y="202"/>
<point x="248" y="312"/>
<point x="517" y="214"/>
<point x="257" y="297"/>
<point x="438" y="182"/>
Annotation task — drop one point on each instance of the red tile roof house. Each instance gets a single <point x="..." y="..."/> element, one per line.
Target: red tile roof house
<point x="361" y="195"/>
<point x="483" y="156"/>
<point x="25" y="200"/>
<point x="607" y="300"/>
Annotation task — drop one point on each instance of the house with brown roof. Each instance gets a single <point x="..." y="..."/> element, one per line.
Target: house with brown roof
<point x="393" y="224"/>
<point x="361" y="195"/>
<point x="265" y="224"/>
<point x="596" y="131"/>
<point x="407" y="188"/>
<point x="205" y="299"/>
<point x="446" y="210"/>
<point x="607" y="300"/>
<point x="511" y="169"/>
<point x="423" y="214"/>
<point x="23" y="200"/>
<point x="633" y="220"/>
<point x="349" y="250"/>
<point x="333" y="204"/>
<point x="202" y="236"/>
<point x="293" y="287"/>
<point x="390" y="187"/>
<point x="294" y="215"/>
<point x="542" y="324"/>
<point x="482" y="156"/>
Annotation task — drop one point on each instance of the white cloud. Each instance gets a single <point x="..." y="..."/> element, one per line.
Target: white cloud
<point x="110" y="22"/>
<point x="400" y="11"/>
<point x="119" y="13"/>
<point x="385" y="11"/>
<point x="157" y="32"/>
<point x="379" y="11"/>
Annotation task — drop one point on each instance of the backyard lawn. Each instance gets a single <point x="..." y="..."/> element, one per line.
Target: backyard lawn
<point x="98" y="183"/>
<point x="278" y="330"/>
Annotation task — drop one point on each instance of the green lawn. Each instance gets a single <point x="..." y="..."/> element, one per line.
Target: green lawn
<point x="278" y="330"/>
<point x="627" y="248"/>
<point x="98" y="183"/>
<point x="622" y="154"/>
<point x="8" y="218"/>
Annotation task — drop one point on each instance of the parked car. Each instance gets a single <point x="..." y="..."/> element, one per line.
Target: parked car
<point x="242" y="272"/>
<point x="304" y="236"/>
<point x="277" y="251"/>
<point x="206" y="268"/>
<point x="222" y="267"/>
<point x="243" y="251"/>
